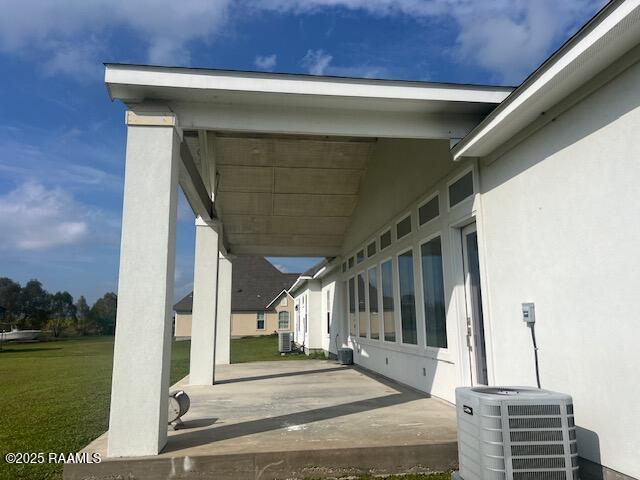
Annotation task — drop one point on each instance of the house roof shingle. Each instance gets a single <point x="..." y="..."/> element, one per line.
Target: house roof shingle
<point x="255" y="283"/>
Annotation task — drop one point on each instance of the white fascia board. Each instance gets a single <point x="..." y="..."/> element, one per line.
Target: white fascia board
<point x="513" y="114"/>
<point x="320" y="272"/>
<point x="201" y="79"/>
<point x="277" y="297"/>
<point x="298" y="283"/>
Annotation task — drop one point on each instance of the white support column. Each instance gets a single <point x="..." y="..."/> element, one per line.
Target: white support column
<point x="142" y="352"/>
<point x="203" y="320"/>
<point x="223" y="327"/>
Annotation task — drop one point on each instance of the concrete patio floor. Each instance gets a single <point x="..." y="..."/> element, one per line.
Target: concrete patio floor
<point x="295" y="419"/>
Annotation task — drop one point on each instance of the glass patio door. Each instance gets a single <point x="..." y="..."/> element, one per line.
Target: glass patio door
<point x="473" y="295"/>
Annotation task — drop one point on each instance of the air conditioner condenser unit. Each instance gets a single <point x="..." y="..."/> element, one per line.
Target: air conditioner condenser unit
<point x="285" y="339"/>
<point x="515" y="433"/>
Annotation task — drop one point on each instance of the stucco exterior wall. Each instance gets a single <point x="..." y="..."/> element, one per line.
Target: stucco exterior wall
<point x="244" y="324"/>
<point x="309" y="332"/>
<point x="333" y="315"/>
<point x="561" y="229"/>
<point x="183" y="325"/>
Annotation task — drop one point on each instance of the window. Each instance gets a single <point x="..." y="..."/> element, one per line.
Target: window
<point x="352" y="306"/>
<point x="283" y="302"/>
<point x="385" y="239"/>
<point x="344" y="267"/>
<point x="461" y="189"/>
<point x="403" y="227"/>
<point x="351" y="262"/>
<point x="429" y="210"/>
<point x="360" y="256"/>
<point x="283" y="321"/>
<point x="433" y="288"/>
<point x="371" y="249"/>
<point x="362" y="308"/>
<point x="407" y="298"/>
<point x="386" y="270"/>
<point x="374" y="328"/>
<point x="260" y="322"/>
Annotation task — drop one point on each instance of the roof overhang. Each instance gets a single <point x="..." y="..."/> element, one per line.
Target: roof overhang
<point x="610" y="34"/>
<point x="305" y="104"/>
<point x="301" y="280"/>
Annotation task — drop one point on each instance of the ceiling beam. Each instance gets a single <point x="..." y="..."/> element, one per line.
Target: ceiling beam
<point x="292" y="120"/>
<point x="193" y="185"/>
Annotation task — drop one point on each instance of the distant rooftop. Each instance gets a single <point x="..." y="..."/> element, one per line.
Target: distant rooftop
<point x="255" y="284"/>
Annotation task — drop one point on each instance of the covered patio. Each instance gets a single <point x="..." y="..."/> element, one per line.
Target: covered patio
<point x="271" y="165"/>
<point x="295" y="419"/>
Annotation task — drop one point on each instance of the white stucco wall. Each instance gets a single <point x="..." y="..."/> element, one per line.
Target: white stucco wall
<point x="561" y="229"/>
<point x="333" y="289"/>
<point x="311" y="306"/>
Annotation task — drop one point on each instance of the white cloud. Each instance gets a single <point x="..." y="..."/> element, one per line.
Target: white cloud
<point x="316" y="61"/>
<point x="319" y="62"/>
<point x="57" y="31"/>
<point x="266" y="63"/>
<point x="506" y="37"/>
<point x="512" y="38"/>
<point x="36" y="218"/>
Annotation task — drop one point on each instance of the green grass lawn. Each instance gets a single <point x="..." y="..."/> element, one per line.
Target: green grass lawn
<point x="54" y="396"/>
<point x="255" y="349"/>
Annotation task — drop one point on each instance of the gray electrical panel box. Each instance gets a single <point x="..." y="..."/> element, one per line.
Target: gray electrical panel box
<point x="528" y="312"/>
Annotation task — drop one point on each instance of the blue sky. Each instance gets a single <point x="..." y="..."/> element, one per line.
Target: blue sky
<point x="62" y="140"/>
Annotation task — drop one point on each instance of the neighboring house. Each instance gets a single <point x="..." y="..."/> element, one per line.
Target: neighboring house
<point x="260" y="302"/>
<point x="443" y="207"/>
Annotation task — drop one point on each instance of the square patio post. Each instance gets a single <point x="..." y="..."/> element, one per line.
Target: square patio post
<point x="205" y="291"/>
<point x="142" y="352"/>
<point x="223" y="329"/>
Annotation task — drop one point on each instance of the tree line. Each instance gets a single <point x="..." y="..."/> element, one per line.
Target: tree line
<point x="32" y="307"/>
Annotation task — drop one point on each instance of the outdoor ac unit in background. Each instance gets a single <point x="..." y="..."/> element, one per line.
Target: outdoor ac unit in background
<point x="515" y="433"/>
<point x="284" y="341"/>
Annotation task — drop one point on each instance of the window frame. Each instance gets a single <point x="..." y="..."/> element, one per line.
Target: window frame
<point x="352" y="333"/>
<point x="264" y="320"/>
<point x="367" y="288"/>
<point x="415" y="294"/>
<point x="408" y="215"/>
<point x="280" y="320"/>
<point x="423" y="203"/>
<point x="384" y="231"/>
<point x="427" y="239"/>
<point x="374" y="242"/>
<point x="366" y="307"/>
<point x="395" y="303"/>
<point x="453" y="180"/>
